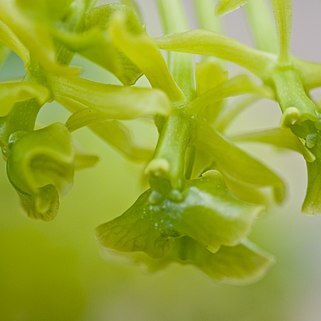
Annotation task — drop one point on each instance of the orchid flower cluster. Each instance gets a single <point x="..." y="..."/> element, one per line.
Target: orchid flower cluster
<point x="205" y="191"/>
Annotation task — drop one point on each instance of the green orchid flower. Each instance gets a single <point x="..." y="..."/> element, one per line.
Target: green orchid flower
<point x="172" y="222"/>
<point x="95" y="44"/>
<point x="203" y="225"/>
<point x="290" y="78"/>
<point x="206" y="191"/>
<point x="40" y="166"/>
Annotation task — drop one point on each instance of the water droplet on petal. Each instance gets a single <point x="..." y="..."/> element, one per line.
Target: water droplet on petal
<point x="155" y="198"/>
<point x="311" y="140"/>
<point x="176" y="196"/>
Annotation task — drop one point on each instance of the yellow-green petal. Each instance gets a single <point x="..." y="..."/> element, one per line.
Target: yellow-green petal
<point x="226" y="6"/>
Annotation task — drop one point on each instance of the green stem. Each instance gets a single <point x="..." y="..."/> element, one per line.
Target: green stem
<point x="167" y="169"/>
<point x="261" y="25"/>
<point x="168" y="164"/>
<point x="283" y="18"/>
<point x="180" y="64"/>
<point x="294" y="101"/>
<point x="207" y="19"/>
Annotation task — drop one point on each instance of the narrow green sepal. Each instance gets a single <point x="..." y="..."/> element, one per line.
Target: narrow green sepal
<point x="278" y="137"/>
<point x="113" y="132"/>
<point x="238" y="85"/>
<point x="143" y="52"/>
<point x="115" y="102"/>
<point x="10" y="40"/>
<point x="233" y="162"/>
<point x="208" y="43"/>
<point x="226" y="6"/>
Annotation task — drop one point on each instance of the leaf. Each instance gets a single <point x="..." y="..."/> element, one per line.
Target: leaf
<point x="41" y="166"/>
<point x="233" y="162"/>
<point x="283" y="18"/>
<point x="16" y="91"/>
<point x="208" y="43"/>
<point x="143" y="52"/>
<point x="226" y="6"/>
<point x="111" y="100"/>
<point x="189" y="229"/>
<point x="279" y="137"/>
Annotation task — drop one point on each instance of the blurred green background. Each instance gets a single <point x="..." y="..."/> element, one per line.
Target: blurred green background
<point x="57" y="271"/>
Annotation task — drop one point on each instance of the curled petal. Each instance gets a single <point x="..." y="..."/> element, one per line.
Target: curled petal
<point x="16" y="91"/>
<point x="40" y="166"/>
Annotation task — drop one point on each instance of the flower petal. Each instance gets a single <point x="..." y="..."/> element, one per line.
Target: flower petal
<point x="143" y="52"/>
<point x="16" y="91"/>
<point x="233" y="162"/>
<point x="226" y="6"/>
<point x="95" y="44"/>
<point x="279" y="137"/>
<point x="113" y="101"/>
<point x="40" y="166"/>
<point x="187" y="227"/>
<point x="212" y="44"/>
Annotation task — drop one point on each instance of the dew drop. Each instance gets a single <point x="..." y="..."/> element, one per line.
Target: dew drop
<point x="176" y="196"/>
<point x="155" y="198"/>
<point x="311" y="140"/>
